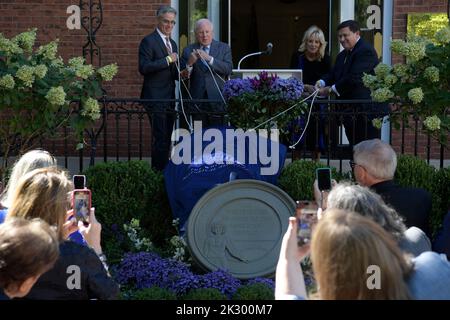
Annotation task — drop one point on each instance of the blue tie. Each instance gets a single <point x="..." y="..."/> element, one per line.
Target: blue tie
<point x="204" y="63"/>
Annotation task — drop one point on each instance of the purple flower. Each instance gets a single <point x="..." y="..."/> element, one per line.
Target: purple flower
<point x="268" y="282"/>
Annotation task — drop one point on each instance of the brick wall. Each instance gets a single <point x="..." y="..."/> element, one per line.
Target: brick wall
<point x="401" y="10"/>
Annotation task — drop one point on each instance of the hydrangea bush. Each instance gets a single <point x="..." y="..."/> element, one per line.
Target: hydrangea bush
<point x="252" y="101"/>
<point x="420" y="86"/>
<point x="36" y="88"/>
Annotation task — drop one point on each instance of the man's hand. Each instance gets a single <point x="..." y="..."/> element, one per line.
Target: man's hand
<point x="203" y="55"/>
<point x="192" y="58"/>
<point x="185" y="74"/>
<point x="324" y="92"/>
<point x="173" y="57"/>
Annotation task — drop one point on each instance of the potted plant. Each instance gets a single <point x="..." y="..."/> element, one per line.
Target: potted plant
<point x="253" y="101"/>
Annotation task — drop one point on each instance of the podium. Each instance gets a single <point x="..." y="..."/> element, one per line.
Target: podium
<point x="282" y="73"/>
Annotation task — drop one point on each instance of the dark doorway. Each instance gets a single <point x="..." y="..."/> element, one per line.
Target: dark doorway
<point x="282" y="22"/>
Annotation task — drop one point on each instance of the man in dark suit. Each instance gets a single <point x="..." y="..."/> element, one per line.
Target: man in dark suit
<point x="374" y="166"/>
<point x="207" y="64"/>
<point x="157" y="63"/>
<point x="345" y="81"/>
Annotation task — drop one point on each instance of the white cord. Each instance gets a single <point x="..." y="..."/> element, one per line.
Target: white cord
<point x="307" y="122"/>
<point x="214" y="78"/>
<point x="283" y="112"/>
<point x="181" y="96"/>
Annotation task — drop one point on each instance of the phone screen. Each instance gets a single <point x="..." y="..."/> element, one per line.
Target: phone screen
<point x="82" y="204"/>
<point x="79" y="181"/>
<point x="324" y="178"/>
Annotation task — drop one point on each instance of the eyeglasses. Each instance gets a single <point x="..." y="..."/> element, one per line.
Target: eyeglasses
<point x="172" y="22"/>
<point x="352" y="164"/>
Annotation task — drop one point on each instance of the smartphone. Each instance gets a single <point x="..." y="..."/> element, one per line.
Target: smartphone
<point x="79" y="181"/>
<point x="323" y="176"/>
<point x="81" y="204"/>
<point x="306" y="214"/>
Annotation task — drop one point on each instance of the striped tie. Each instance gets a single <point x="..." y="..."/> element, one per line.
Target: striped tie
<point x="169" y="48"/>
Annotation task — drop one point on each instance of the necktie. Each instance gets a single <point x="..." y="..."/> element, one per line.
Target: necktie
<point x="168" y="46"/>
<point x="206" y="49"/>
<point x="347" y="54"/>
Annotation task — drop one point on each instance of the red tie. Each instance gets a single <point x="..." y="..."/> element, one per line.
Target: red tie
<point x="169" y="48"/>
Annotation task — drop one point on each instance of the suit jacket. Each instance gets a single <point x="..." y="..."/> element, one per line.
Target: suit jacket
<point x="348" y="70"/>
<point x="413" y="204"/>
<point x="159" y="78"/>
<point x="201" y="80"/>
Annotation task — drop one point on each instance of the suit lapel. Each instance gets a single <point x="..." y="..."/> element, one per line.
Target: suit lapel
<point x="161" y="43"/>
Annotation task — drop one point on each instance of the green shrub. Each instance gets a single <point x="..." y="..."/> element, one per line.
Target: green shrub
<point x="441" y="188"/>
<point x="204" y="294"/>
<point x="125" y="190"/>
<point x="297" y="178"/>
<point x="255" y="291"/>
<point x="153" y="293"/>
<point x="414" y="172"/>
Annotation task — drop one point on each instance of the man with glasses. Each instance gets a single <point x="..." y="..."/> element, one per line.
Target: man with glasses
<point x="374" y="164"/>
<point x="157" y="63"/>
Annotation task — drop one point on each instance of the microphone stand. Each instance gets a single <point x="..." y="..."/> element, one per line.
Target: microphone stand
<point x="250" y="55"/>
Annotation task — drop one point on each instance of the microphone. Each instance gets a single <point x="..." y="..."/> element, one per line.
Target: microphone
<point x="268" y="51"/>
<point x="269" y="48"/>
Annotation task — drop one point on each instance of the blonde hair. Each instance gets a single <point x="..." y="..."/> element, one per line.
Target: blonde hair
<point x="44" y="194"/>
<point x="343" y="246"/>
<point x="316" y="32"/>
<point x="28" y="248"/>
<point x="30" y="161"/>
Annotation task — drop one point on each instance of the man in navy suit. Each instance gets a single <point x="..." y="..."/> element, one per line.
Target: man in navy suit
<point x="345" y="81"/>
<point x="157" y="63"/>
<point x="208" y="64"/>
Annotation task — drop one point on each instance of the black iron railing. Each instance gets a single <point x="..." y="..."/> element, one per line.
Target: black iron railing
<point x="124" y="133"/>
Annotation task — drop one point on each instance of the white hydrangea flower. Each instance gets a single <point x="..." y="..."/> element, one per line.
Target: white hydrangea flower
<point x="382" y="95"/>
<point x="108" y="72"/>
<point x="49" y="50"/>
<point x="377" y="123"/>
<point x="443" y="35"/>
<point x="432" y="123"/>
<point x="26" y="74"/>
<point x="416" y="95"/>
<point x="40" y="71"/>
<point x="432" y="74"/>
<point x="7" y="81"/>
<point x="56" y="96"/>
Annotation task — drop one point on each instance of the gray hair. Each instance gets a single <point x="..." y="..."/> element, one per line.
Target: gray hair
<point x="200" y="22"/>
<point x="377" y="157"/>
<point x="34" y="159"/>
<point x="367" y="203"/>
<point x="165" y="9"/>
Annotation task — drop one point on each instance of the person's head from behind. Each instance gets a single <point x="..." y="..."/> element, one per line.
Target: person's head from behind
<point x="45" y="194"/>
<point x="374" y="161"/>
<point x="313" y="43"/>
<point x="346" y="248"/>
<point x="204" y="32"/>
<point x="34" y="159"/>
<point x="166" y="19"/>
<point x="28" y="249"/>
<point x="365" y="202"/>
<point x="348" y="34"/>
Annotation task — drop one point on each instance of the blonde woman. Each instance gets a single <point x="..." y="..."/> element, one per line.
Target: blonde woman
<point x="311" y="57"/>
<point x="28" y="249"/>
<point x="346" y="248"/>
<point x="45" y="194"/>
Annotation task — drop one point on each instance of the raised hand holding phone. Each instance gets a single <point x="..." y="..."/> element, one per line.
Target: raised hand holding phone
<point x="81" y="199"/>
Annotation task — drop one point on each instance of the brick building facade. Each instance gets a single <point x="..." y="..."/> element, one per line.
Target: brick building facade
<point x="126" y="22"/>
